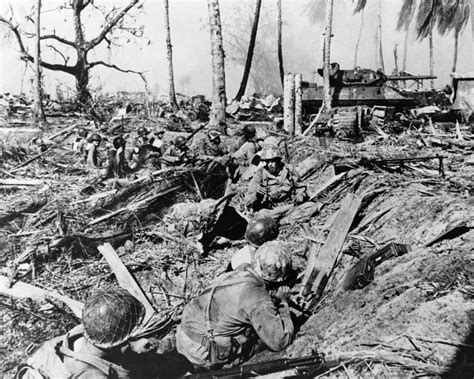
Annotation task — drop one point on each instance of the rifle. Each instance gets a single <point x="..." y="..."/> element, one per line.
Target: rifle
<point x="306" y="367"/>
<point x="188" y="138"/>
<point x="401" y="161"/>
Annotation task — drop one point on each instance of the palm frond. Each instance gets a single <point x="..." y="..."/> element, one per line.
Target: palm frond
<point x="360" y="5"/>
<point x="406" y="14"/>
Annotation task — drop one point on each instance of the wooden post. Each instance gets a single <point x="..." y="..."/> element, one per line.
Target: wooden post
<point x="289" y="104"/>
<point x="298" y="105"/>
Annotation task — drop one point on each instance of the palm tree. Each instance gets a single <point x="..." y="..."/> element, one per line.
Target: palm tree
<point x="380" y="55"/>
<point x="217" y="115"/>
<point x="38" y="103"/>
<point x="455" y="17"/>
<point x="280" y="49"/>
<point x="248" y="62"/>
<point x="171" y="89"/>
<point x="327" y="55"/>
<point x="359" y="37"/>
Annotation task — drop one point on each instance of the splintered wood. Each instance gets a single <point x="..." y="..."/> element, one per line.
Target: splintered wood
<point x="321" y="262"/>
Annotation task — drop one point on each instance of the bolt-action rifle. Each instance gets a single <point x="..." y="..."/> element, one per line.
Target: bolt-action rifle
<point x="306" y="367"/>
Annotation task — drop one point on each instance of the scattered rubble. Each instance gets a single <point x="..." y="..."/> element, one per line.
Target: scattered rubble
<point x="409" y="184"/>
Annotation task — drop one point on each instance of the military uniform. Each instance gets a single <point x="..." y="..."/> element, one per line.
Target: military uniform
<point x="227" y="323"/>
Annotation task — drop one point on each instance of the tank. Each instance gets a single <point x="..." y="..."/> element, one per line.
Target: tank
<point x="353" y="91"/>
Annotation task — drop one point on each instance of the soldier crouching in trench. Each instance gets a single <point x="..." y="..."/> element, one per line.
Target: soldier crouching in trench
<point x="103" y="346"/>
<point x="237" y="316"/>
<point x="275" y="184"/>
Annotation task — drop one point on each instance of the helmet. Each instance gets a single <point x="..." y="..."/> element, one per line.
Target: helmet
<point x="118" y="142"/>
<point x="95" y="137"/>
<point x="180" y="140"/>
<point x="213" y="134"/>
<point x="272" y="261"/>
<point x="141" y="131"/>
<point x="249" y="131"/>
<point x="110" y="317"/>
<point x="260" y="231"/>
<point x="82" y="132"/>
<point x="271" y="153"/>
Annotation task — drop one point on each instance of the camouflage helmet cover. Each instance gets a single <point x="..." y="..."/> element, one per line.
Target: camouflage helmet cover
<point x="260" y="231"/>
<point x="272" y="261"/>
<point x="110" y="316"/>
<point x="271" y="153"/>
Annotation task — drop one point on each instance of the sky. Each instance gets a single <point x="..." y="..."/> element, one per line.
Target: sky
<point x="302" y="45"/>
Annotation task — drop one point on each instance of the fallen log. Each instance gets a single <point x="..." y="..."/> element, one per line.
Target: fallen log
<point x="323" y="260"/>
<point x="125" y="278"/>
<point x="24" y="290"/>
<point x="62" y="132"/>
<point x="326" y="185"/>
<point x="30" y="160"/>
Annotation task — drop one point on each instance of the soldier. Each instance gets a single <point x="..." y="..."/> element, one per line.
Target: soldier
<point x="117" y="166"/>
<point x="258" y="232"/>
<point x="210" y="148"/>
<point x="275" y="184"/>
<point x="80" y="142"/>
<point x="178" y="153"/>
<point x="158" y="140"/>
<point x="92" y="151"/>
<point x="243" y="164"/>
<point x="235" y="317"/>
<point x="103" y="346"/>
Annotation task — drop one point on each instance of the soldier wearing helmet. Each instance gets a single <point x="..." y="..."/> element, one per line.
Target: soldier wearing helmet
<point x="105" y="345"/>
<point x="117" y="166"/>
<point x="274" y="183"/>
<point x="92" y="155"/>
<point x="210" y="148"/>
<point x="236" y="316"/>
<point x="80" y="142"/>
<point x="157" y="140"/>
<point x="258" y="232"/>
<point x="178" y="153"/>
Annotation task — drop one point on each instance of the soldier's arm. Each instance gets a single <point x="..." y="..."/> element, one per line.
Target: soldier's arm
<point x="90" y="157"/>
<point x="272" y="324"/>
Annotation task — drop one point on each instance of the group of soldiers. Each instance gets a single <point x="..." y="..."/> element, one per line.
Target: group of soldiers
<point x="242" y="311"/>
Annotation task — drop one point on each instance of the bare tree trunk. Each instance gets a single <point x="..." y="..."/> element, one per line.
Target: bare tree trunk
<point x="456" y="48"/>
<point x="356" y="52"/>
<point x="171" y="89"/>
<point x="395" y="57"/>
<point x="431" y="58"/>
<point x="289" y="104"/>
<point x="327" y="55"/>
<point x="217" y="115"/>
<point x="472" y="20"/>
<point x="38" y="102"/>
<point x="382" y="65"/>
<point x="405" y="49"/>
<point x="298" y="105"/>
<point x="248" y="62"/>
<point x="280" y="48"/>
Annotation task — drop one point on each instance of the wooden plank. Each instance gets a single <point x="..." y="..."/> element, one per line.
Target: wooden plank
<point x="20" y="182"/>
<point x="326" y="185"/>
<point x="24" y="290"/>
<point x="323" y="262"/>
<point x="125" y="278"/>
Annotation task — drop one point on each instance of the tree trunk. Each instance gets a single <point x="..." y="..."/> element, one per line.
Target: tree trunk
<point x="327" y="55"/>
<point x="405" y="49"/>
<point x="298" y="105"/>
<point x="217" y="114"/>
<point x="38" y="102"/>
<point x="171" y="89"/>
<point x="456" y="47"/>
<point x="382" y="65"/>
<point x="356" y="51"/>
<point x="280" y="48"/>
<point x="248" y="62"/>
<point x="472" y="20"/>
<point x="289" y="104"/>
<point x="82" y="79"/>
<point x="431" y="58"/>
<point x="395" y="59"/>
